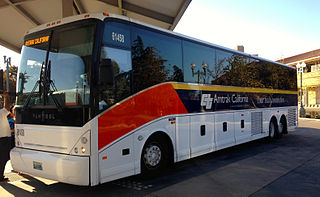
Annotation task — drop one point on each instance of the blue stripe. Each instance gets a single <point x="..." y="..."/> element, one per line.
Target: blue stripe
<point x="200" y="101"/>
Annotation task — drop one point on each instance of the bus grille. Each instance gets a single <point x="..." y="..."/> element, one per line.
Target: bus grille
<point x="292" y="117"/>
<point x="256" y="123"/>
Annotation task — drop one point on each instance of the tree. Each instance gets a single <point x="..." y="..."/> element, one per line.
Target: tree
<point x="13" y="70"/>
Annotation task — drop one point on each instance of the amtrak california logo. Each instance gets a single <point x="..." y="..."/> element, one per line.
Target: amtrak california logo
<point x="207" y="100"/>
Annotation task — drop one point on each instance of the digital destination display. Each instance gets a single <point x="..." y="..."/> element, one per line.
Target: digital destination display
<point x="37" y="41"/>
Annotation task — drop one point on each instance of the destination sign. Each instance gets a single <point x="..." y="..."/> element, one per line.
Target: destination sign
<point x="37" y="41"/>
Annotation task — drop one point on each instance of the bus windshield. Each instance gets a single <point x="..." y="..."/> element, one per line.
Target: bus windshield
<point x="54" y="68"/>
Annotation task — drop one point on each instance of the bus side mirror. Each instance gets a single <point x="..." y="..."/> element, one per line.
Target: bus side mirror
<point x="106" y="76"/>
<point x="1" y="81"/>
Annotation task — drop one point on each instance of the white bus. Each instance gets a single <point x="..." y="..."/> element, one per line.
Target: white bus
<point x="101" y="97"/>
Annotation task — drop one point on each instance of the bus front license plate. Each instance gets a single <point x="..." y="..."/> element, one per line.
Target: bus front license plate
<point x="37" y="165"/>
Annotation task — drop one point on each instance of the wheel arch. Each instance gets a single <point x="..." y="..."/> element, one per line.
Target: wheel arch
<point x="166" y="142"/>
<point x="274" y="119"/>
<point x="163" y="136"/>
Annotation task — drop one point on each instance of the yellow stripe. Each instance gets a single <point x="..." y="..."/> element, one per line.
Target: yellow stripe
<point x="218" y="88"/>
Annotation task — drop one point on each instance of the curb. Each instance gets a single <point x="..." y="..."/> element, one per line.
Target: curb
<point x="312" y="119"/>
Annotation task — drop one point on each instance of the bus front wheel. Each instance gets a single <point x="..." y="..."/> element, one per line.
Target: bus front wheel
<point x="155" y="156"/>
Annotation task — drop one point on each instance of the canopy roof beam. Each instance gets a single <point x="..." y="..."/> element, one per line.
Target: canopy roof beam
<point x="79" y="7"/>
<point x="140" y="10"/>
<point x="23" y="12"/>
<point x="10" y="46"/>
<point x="121" y="10"/>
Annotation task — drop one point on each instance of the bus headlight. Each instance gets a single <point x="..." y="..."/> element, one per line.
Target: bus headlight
<point x="21" y="132"/>
<point x="82" y="147"/>
<point x="84" y="140"/>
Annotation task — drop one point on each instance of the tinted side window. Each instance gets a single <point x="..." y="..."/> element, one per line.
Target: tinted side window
<point x="291" y="79"/>
<point x="117" y="34"/>
<point x="198" y="63"/>
<point x="156" y="58"/>
<point x="223" y="69"/>
<point x="121" y="61"/>
<point x="237" y="70"/>
<point x="256" y="75"/>
<point x="116" y="47"/>
<point x="281" y="77"/>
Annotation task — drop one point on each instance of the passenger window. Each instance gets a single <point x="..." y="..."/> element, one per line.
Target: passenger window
<point x="198" y="63"/>
<point x="224" y="69"/>
<point x="156" y="58"/>
<point x="121" y="61"/>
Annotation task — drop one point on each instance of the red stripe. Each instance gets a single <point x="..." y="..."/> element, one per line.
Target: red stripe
<point x="154" y="103"/>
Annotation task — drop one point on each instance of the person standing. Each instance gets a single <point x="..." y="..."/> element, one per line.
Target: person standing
<point x="11" y="120"/>
<point x="5" y="137"/>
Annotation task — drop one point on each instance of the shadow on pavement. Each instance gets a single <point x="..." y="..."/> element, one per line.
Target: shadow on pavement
<point x="180" y="172"/>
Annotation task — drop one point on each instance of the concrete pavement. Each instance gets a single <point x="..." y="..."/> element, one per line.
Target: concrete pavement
<point x="286" y="167"/>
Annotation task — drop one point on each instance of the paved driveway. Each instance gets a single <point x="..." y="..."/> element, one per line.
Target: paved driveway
<point x="286" y="167"/>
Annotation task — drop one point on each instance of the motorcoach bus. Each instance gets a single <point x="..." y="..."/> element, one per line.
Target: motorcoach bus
<point x="101" y="97"/>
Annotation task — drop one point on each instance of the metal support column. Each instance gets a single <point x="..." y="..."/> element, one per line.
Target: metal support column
<point x="300" y="67"/>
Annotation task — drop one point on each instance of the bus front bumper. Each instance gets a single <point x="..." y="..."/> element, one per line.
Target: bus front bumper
<point x="63" y="168"/>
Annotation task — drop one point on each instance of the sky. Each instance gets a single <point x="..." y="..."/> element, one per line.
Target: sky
<point x="15" y="57"/>
<point x="273" y="29"/>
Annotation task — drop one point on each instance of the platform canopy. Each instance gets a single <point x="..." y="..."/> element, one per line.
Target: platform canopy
<point x="18" y="16"/>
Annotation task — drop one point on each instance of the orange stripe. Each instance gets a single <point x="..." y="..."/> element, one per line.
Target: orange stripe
<point x="144" y="107"/>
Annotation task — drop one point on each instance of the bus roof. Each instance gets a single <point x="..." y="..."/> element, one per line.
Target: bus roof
<point x="102" y="16"/>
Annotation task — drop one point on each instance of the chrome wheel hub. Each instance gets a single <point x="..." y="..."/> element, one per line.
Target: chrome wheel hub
<point x="152" y="155"/>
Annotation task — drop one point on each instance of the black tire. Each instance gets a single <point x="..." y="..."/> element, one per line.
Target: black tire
<point x="278" y="133"/>
<point x="283" y="126"/>
<point x="155" y="156"/>
<point x="272" y="129"/>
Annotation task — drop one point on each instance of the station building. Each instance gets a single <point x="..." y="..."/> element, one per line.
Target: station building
<point x="310" y="79"/>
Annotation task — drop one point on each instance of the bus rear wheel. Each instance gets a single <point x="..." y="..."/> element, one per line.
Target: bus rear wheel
<point x="272" y="129"/>
<point x="155" y="156"/>
<point x="283" y="126"/>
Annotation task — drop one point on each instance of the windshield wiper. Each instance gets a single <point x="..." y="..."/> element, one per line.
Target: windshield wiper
<point x="44" y="84"/>
<point x="26" y="103"/>
<point x="49" y="83"/>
